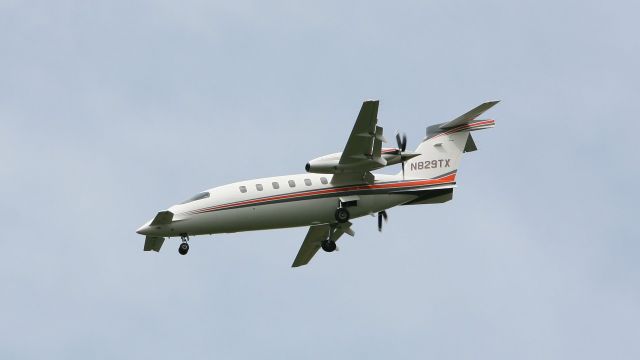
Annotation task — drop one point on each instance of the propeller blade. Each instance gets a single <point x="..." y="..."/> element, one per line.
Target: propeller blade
<point x="381" y="215"/>
<point x="402" y="146"/>
<point x="402" y="141"/>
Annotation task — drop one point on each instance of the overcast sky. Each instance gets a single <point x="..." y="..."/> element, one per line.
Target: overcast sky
<point x="112" y="111"/>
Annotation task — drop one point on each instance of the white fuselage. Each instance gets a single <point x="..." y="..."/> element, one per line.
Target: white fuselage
<point x="337" y="187"/>
<point x="312" y="200"/>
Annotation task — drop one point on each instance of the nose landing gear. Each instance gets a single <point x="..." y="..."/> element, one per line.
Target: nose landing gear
<point x="183" y="249"/>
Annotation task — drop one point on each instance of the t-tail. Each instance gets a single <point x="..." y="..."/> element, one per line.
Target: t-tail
<point x="442" y="148"/>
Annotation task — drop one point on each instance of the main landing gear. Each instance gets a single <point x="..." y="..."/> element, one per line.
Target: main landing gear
<point x="342" y="215"/>
<point x="328" y="245"/>
<point x="183" y="249"/>
<point x="335" y="231"/>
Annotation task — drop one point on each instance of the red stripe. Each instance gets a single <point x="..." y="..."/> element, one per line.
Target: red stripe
<point x="466" y="126"/>
<point x="446" y="179"/>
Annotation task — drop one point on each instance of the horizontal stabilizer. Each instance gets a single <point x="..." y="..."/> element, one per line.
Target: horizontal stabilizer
<point x="163" y="218"/>
<point x="470" y="115"/>
<point x="153" y="243"/>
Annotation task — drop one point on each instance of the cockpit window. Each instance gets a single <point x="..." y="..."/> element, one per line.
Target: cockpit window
<point x="200" y="196"/>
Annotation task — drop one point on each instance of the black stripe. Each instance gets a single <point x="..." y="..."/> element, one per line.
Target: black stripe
<point x="317" y="196"/>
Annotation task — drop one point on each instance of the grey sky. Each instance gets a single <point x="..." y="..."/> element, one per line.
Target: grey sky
<point x="111" y="111"/>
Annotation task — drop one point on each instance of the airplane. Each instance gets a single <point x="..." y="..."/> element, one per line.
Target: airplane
<point x="337" y="188"/>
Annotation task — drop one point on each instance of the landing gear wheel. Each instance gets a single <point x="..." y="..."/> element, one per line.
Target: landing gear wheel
<point x="342" y="215"/>
<point x="328" y="246"/>
<point x="183" y="249"/>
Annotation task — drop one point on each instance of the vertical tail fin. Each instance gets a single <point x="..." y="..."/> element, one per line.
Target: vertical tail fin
<point x="441" y="150"/>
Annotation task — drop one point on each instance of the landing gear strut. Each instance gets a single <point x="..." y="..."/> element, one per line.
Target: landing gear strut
<point x="183" y="249"/>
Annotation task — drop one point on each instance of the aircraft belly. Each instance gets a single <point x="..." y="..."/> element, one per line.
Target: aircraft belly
<point x="287" y="214"/>
<point x="279" y="215"/>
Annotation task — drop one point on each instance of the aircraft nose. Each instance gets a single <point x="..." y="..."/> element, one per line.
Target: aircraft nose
<point x="144" y="229"/>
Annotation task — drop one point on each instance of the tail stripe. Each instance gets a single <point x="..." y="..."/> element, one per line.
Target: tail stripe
<point x="472" y="126"/>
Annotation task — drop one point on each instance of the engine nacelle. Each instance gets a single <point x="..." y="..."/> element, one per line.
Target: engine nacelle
<point x="328" y="164"/>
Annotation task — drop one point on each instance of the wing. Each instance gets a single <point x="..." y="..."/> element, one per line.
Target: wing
<point x="311" y="244"/>
<point x="360" y="143"/>
<point x="362" y="151"/>
<point x="315" y="235"/>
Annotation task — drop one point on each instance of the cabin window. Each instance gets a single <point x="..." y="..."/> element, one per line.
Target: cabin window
<point x="324" y="180"/>
<point x="259" y="187"/>
<point x="243" y="189"/>
<point x="307" y="182"/>
<point x="199" y="196"/>
<point x="292" y="183"/>
<point x="275" y="185"/>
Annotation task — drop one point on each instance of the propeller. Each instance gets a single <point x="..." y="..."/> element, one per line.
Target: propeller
<point x="402" y="145"/>
<point x="381" y="215"/>
<point x="402" y="141"/>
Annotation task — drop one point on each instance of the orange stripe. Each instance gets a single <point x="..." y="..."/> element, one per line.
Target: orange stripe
<point x="446" y="179"/>
<point x="464" y="127"/>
